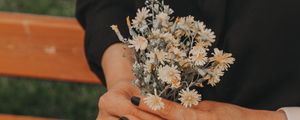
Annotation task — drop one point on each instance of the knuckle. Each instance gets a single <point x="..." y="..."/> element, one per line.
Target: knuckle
<point x="102" y="101"/>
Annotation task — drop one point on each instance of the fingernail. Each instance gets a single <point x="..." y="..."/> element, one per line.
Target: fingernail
<point x="124" y="118"/>
<point x="135" y="100"/>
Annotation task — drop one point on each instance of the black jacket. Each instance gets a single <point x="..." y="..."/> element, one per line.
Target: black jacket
<point x="263" y="35"/>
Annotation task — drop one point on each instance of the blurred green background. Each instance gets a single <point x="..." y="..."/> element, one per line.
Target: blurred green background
<point x="24" y="96"/>
<point x="47" y="7"/>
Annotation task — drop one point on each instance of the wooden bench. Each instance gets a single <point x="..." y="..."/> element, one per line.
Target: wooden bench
<point x="48" y="48"/>
<point x="20" y="117"/>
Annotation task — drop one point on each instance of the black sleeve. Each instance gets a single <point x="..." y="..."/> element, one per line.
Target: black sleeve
<point x="96" y="17"/>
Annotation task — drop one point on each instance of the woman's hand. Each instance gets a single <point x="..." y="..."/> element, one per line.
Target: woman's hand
<point x="115" y="104"/>
<point x="209" y="110"/>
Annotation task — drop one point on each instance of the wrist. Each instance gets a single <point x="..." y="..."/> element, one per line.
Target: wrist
<point x="117" y="64"/>
<point x="112" y="82"/>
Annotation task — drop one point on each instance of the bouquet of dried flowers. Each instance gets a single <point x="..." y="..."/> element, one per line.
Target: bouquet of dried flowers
<point x="172" y="55"/>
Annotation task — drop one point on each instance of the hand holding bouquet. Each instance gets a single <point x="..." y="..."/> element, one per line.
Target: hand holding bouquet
<point x="172" y="55"/>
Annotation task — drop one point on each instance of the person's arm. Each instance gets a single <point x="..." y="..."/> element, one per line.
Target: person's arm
<point x="106" y="55"/>
<point x="114" y="104"/>
<point x="96" y="17"/>
<point x="117" y="64"/>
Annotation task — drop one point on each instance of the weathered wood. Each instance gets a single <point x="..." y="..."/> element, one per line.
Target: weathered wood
<point x="43" y="47"/>
<point x="16" y="117"/>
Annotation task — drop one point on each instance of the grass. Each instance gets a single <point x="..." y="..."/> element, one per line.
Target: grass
<point x="48" y="7"/>
<point x="49" y="99"/>
<point x="34" y="97"/>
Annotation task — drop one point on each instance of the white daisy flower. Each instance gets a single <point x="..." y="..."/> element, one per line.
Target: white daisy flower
<point x="198" y="48"/>
<point x="163" y="19"/>
<point x="168" y="73"/>
<point x="214" y="76"/>
<point x="198" y="26"/>
<point x="181" y="23"/>
<point x="161" y="56"/>
<point x="202" y="43"/>
<point x="189" y="21"/>
<point x="169" y="38"/>
<point x="199" y="58"/>
<point x="138" y="42"/>
<point x="221" y="59"/>
<point x="189" y="98"/>
<point x="154" y="102"/>
<point x="158" y="55"/>
<point x="155" y="33"/>
<point x="207" y="35"/>
<point x="140" y="19"/>
<point x="186" y="23"/>
<point x="213" y="80"/>
<point x="177" y="52"/>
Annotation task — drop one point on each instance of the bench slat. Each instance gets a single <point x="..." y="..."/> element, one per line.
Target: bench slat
<point x="43" y="47"/>
<point x="17" y="117"/>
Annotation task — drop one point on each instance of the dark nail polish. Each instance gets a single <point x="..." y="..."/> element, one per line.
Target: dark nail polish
<point x="124" y="118"/>
<point x="135" y="100"/>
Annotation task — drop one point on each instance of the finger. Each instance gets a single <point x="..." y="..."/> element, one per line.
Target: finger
<point x="106" y="117"/>
<point x="128" y="108"/>
<point x="100" y="115"/>
<point x="129" y="117"/>
<point x="204" y="105"/>
<point x="171" y="110"/>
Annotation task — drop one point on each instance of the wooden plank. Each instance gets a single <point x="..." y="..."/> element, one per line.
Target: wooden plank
<point x="43" y="47"/>
<point x="17" y="117"/>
